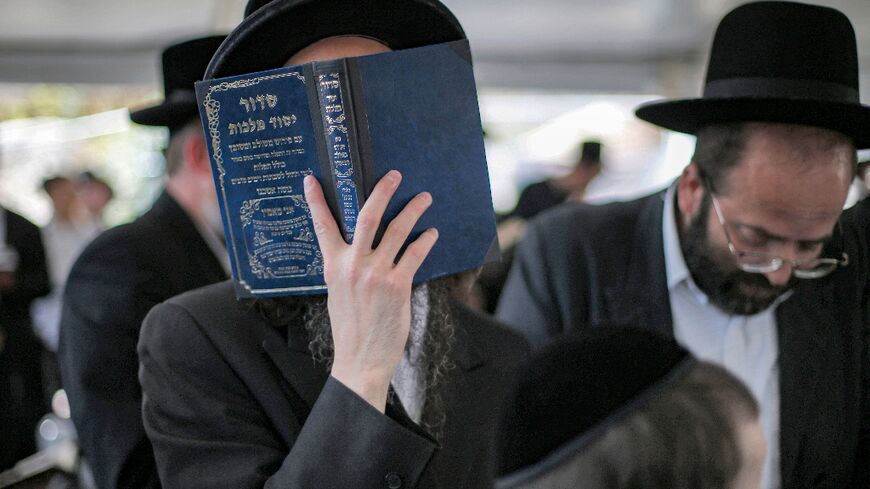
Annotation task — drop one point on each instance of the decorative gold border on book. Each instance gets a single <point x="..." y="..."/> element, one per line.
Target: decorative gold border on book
<point x="212" y="111"/>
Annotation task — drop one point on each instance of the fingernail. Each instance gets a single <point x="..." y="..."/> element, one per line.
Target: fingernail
<point x="307" y="181"/>
<point x="427" y="197"/>
<point x="434" y="231"/>
<point x="394" y="176"/>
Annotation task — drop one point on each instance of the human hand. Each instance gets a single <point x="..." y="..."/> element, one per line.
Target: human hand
<point x="369" y="298"/>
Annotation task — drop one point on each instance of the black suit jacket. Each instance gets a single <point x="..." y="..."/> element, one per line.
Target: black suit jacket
<point x="111" y="287"/>
<point x="231" y="402"/>
<point x="21" y="396"/>
<point x="585" y="266"/>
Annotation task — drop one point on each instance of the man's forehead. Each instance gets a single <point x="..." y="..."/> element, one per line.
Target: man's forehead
<point x="336" y="47"/>
<point x="784" y="205"/>
<point x="788" y="187"/>
<point x="796" y="163"/>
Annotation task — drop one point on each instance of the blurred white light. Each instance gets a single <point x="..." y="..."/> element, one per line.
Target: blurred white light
<point x="25" y="134"/>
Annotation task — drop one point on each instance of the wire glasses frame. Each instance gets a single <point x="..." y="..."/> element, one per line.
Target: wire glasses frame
<point x="757" y="262"/>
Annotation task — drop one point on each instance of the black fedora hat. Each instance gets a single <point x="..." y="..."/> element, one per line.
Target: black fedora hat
<point x="272" y="31"/>
<point x="776" y="62"/>
<point x="183" y="65"/>
<point x="568" y="394"/>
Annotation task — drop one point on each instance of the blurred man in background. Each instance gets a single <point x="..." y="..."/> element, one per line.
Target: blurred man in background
<point x="70" y="229"/>
<point x="94" y="193"/>
<point x="534" y="199"/>
<point x="174" y="247"/>
<point x="23" y="278"/>
<point x="540" y="196"/>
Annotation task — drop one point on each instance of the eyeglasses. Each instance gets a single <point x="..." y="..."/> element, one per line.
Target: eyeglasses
<point x="758" y="262"/>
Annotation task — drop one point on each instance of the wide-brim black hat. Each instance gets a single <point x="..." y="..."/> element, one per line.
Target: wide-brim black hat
<point x="776" y="62"/>
<point x="567" y="396"/>
<point x="183" y="65"/>
<point x="272" y="31"/>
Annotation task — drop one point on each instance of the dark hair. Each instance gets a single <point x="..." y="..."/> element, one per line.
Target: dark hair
<point x="48" y="183"/>
<point x="281" y="312"/>
<point x="717" y="150"/>
<point x="88" y="177"/>
<point x="684" y="438"/>
<point x="590" y="154"/>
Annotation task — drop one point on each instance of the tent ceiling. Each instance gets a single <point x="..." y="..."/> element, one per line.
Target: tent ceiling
<point x="618" y="45"/>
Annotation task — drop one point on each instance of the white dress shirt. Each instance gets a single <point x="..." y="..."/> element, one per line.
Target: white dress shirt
<point x="746" y="346"/>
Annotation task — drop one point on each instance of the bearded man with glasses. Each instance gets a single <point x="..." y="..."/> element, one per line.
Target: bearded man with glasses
<point x="745" y="260"/>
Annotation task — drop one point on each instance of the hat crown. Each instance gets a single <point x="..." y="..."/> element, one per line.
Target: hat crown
<point x="591" y="151"/>
<point x="778" y="62"/>
<point x="254" y="5"/>
<point x="785" y="40"/>
<point x="573" y="386"/>
<point x="273" y="30"/>
<point x="185" y="62"/>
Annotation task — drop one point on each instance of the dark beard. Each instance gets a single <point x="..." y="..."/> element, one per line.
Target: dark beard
<point x="726" y="286"/>
<point x="434" y="346"/>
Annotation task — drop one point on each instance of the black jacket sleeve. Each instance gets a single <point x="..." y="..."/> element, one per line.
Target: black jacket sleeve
<point x="31" y="276"/>
<point x="528" y="300"/>
<point x="106" y="297"/>
<point x="208" y="431"/>
<point x="856" y="223"/>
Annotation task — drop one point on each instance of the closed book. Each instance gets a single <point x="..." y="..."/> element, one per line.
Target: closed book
<point x="347" y="122"/>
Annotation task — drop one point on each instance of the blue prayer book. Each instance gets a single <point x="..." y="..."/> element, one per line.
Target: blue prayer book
<point x="347" y="122"/>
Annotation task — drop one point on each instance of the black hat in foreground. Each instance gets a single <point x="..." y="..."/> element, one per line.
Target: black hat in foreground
<point x="273" y="31"/>
<point x="569" y="394"/>
<point x="776" y="62"/>
<point x="183" y="65"/>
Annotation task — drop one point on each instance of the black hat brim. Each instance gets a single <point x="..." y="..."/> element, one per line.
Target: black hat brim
<point x="690" y="115"/>
<point x="167" y="114"/>
<point x="279" y="29"/>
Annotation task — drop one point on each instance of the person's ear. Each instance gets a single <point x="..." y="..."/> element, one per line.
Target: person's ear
<point x="196" y="154"/>
<point x="690" y="192"/>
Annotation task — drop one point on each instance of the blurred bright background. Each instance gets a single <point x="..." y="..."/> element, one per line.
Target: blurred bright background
<point x="551" y="73"/>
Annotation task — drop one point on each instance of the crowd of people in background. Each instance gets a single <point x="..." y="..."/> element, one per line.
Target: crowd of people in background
<point x="36" y="263"/>
<point x="712" y="335"/>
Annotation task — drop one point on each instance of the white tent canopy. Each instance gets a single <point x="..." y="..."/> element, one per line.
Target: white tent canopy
<point x="640" y="46"/>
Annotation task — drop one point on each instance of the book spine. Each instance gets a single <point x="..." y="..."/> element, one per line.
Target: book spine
<point x="338" y="124"/>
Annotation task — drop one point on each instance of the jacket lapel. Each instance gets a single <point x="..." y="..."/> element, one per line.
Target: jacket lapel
<point x="640" y="296"/>
<point x="461" y="393"/>
<point x="296" y="365"/>
<point x="800" y="321"/>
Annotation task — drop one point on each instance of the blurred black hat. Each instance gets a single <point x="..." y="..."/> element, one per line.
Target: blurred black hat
<point x="183" y="65"/>
<point x="570" y="393"/>
<point x="776" y="62"/>
<point x="590" y="151"/>
<point x="273" y="31"/>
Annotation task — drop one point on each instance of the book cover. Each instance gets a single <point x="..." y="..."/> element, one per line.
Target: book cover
<point x="348" y="122"/>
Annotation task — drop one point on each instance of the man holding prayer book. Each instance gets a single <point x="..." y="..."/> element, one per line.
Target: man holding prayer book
<point x="383" y="382"/>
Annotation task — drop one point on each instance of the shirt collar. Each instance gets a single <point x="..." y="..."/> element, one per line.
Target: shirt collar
<point x="675" y="264"/>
